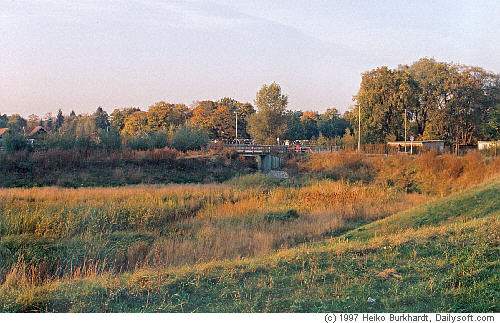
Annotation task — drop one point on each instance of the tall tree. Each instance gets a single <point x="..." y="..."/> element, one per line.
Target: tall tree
<point x="162" y="115"/>
<point x="49" y="121"/>
<point x="33" y="121"/>
<point x="468" y="104"/>
<point x="136" y="123"/>
<point x="101" y="119"/>
<point x="309" y="120"/>
<point x="59" y="120"/>
<point x="218" y="119"/>
<point x="16" y="123"/>
<point x="295" y="128"/>
<point x="331" y="124"/>
<point x="382" y="104"/>
<point x="3" y="120"/>
<point x="269" y="123"/>
<point x="118" y="117"/>
<point x="430" y="77"/>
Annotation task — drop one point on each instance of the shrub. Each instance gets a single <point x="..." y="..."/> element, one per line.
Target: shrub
<point x="60" y="141"/>
<point x="188" y="138"/>
<point x="283" y="216"/>
<point x="15" y="142"/>
<point x="110" y="140"/>
<point x="148" y="141"/>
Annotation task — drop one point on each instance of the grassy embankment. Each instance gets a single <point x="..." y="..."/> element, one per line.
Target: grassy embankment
<point x="442" y="256"/>
<point x="177" y="248"/>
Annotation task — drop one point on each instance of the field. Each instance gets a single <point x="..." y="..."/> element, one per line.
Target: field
<point x="414" y="233"/>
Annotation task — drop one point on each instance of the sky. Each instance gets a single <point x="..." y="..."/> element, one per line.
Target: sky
<point x="78" y="55"/>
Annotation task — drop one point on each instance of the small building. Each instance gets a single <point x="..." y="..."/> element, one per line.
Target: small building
<point x="483" y="145"/>
<point x="37" y="132"/>
<point x="429" y="144"/>
<point x="3" y="131"/>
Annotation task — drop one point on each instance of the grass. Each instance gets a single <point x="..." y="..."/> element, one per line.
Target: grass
<point x="74" y="168"/>
<point x="439" y="257"/>
<point x="342" y="229"/>
<point x="178" y="224"/>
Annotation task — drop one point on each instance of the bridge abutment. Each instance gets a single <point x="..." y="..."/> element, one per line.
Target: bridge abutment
<point x="268" y="162"/>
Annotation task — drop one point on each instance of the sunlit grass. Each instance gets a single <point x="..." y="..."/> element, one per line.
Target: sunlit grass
<point x="315" y="242"/>
<point x="437" y="258"/>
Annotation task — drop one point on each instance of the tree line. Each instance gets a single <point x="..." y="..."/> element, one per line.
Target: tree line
<point x="456" y="103"/>
<point x="177" y="125"/>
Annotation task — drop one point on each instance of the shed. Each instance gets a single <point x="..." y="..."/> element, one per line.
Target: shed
<point x="431" y="144"/>
<point x="3" y="131"/>
<point x="37" y="131"/>
<point x="483" y="145"/>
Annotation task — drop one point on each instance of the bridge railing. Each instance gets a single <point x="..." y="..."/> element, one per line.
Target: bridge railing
<point x="257" y="149"/>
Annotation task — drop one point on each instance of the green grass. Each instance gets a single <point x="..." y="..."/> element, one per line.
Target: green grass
<point x="440" y="257"/>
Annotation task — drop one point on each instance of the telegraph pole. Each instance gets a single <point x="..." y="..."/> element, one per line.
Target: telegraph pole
<point x="359" y="128"/>
<point x="236" y="112"/>
<point x="405" y="130"/>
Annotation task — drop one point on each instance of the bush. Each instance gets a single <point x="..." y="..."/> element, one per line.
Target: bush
<point x="188" y="138"/>
<point x="110" y="140"/>
<point x="60" y="141"/>
<point x="15" y="142"/>
<point x="283" y="216"/>
<point x="149" y="141"/>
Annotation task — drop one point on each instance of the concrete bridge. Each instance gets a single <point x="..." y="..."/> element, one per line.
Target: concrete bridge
<point x="273" y="156"/>
<point x="268" y="157"/>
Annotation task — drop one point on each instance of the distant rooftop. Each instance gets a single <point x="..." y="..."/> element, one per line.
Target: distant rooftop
<point x="36" y="130"/>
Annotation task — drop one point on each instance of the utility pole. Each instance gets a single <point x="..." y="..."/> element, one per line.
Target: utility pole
<point x="405" y="130"/>
<point x="236" y="112"/>
<point x="359" y="128"/>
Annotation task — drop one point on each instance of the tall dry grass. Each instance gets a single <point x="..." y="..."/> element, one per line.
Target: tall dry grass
<point x="428" y="173"/>
<point x="48" y="233"/>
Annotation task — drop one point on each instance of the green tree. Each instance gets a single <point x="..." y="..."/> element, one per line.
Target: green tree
<point x="16" y="124"/>
<point x="383" y="96"/>
<point x="33" y="121"/>
<point x="3" y="120"/>
<point x="348" y="140"/>
<point x="49" y="122"/>
<point x="470" y="100"/>
<point x="85" y="126"/>
<point x="188" y="138"/>
<point x="59" y="120"/>
<point x="492" y="127"/>
<point x="295" y="128"/>
<point x="331" y="124"/>
<point x="270" y="122"/>
<point x="101" y="119"/>
<point x="430" y="77"/>
<point x="15" y="142"/>
<point x="309" y="120"/>
<point x="244" y="110"/>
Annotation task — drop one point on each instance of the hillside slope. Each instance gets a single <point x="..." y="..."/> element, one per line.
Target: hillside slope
<point x="440" y="257"/>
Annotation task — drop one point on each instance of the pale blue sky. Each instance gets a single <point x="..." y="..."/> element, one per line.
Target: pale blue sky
<point x="83" y="54"/>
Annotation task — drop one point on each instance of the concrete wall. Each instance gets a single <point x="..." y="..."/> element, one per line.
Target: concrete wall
<point x="268" y="162"/>
<point x="434" y="145"/>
